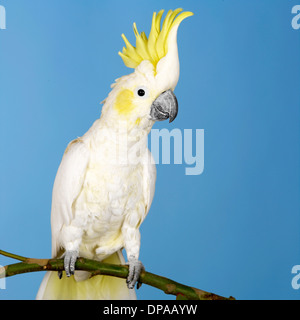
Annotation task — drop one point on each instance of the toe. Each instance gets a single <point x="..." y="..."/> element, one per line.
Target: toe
<point x="135" y="269"/>
<point x="67" y="264"/>
<point x="130" y="275"/>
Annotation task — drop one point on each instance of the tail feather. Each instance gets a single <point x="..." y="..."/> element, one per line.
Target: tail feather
<point x="95" y="288"/>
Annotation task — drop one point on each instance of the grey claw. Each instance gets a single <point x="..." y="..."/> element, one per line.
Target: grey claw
<point x="59" y="273"/>
<point x="70" y="258"/>
<point x="138" y="285"/>
<point x="135" y="269"/>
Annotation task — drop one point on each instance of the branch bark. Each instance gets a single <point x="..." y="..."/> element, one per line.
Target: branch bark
<point x="168" y="286"/>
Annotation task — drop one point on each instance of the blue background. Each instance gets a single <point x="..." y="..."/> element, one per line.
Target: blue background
<point x="233" y="230"/>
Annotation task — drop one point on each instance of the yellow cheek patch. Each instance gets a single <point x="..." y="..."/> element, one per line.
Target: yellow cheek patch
<point x="123" y="102"/>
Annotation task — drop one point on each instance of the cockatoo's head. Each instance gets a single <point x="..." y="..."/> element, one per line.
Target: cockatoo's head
<point x="146" y="95"/>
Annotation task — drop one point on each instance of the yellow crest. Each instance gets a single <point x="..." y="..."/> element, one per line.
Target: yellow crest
<point x="156" y="46"/>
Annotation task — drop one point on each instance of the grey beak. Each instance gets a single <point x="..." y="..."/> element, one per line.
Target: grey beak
<point x="165" y="106"/>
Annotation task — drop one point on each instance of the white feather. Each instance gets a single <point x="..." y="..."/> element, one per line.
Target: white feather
<point x="67" y="186"/>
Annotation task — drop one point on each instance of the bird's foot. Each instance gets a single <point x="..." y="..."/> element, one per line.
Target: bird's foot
<point x="70" y="257"/>
<point x="135" y="269"/>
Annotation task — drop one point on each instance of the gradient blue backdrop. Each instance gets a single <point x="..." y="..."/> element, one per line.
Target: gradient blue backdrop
<point x="234" y="230"/>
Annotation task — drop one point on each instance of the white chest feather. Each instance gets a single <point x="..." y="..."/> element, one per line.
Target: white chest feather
<point x="110" y="192"/>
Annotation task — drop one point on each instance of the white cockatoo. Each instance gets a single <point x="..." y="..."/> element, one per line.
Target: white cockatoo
<point x="106" y="180"/>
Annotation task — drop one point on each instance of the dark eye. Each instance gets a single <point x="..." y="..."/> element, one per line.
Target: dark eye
<point x="141" y="92"/>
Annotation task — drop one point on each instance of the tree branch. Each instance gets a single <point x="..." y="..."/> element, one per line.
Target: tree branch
<point x="168" y="286"/>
